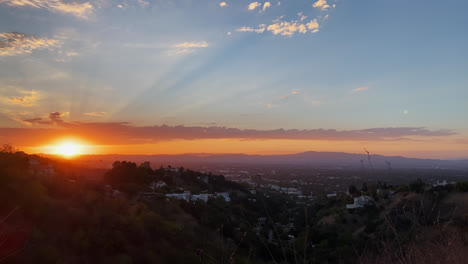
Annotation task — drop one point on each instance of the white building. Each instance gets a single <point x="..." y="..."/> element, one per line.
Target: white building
<point x="180" y="196"/>
<point x="158" y="184"/>
<point x="359" y="202"/>
<point x="225" y="195"/>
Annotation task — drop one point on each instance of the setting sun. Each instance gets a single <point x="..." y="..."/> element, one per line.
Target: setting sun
<point x="68" y="149"/>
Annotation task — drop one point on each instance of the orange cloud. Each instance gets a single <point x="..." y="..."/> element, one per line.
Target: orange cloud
<point x="254" y="5"/>
<point x="321" y="4"/>
<point x="15" y="43"/>
<point x="81" y="10"/>
<point x="27" y="100"/>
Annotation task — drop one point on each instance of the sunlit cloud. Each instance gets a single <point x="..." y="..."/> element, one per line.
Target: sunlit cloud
<point x="321" y="4"/>
<point x="26" y="99"/>
<point x="15" y="43"/>
<point x="260" y="29"/>
<point x="124" y="133"/>
<point x="222" y="4"/>
<point x="81" y="10"/>
<point x="254" y="5"/>
<point x="187" y="47"/>
<point x="313" y="26"/>
<point x="54" y="118"/>
<point x="266" y="5"/>
<point x="360" y="89"/>
<point x="301" y="16"/>
<point x="285" y="28"/>
<point x="201" y="44"/>
<point x="295" y="92"/>
<point x="96" y="114"/>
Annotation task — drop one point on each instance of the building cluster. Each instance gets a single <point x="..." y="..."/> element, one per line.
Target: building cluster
<point x="187" y="196"/>
<point x="359" y="202"/>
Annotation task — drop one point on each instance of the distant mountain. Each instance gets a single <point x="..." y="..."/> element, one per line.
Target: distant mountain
<point x="310" y="158"/>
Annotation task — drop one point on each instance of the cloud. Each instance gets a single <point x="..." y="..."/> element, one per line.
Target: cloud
<point x="295" y="92"/>
<point x="123" y="133"/>
<point x="286" y="28"/>
<point x="260" y="29"/>
<point x="187" y="47"/>
<point x="360" y="89"/>
<point x="26" y="99"/>
<point x="254" y="5"/>
<point x="201" y="44"/>
<point x="143" y="3"/>
<point x="81" y="10"/>
<point x="55" y="118"/>
<point x="321" y="4"/>
<point x="313" y="26"/>
<point x="301" y="16"/>
<point x="266" y="5"/>
<point x="222" y="4"/>
<point x="15" y="43"/>
<point x="96" y="114"/>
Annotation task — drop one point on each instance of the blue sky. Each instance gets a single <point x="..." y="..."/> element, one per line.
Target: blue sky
<point x="305" y="64"/>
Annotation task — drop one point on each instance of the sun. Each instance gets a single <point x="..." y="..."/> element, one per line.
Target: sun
<point x="68" y="149"/>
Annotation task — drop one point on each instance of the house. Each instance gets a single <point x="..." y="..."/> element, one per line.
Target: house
<point x="225" y="195"/>
<point x="156" y="185"/>
<point x="203" y="196"/>
<point x="180" y="196"/>
<point x="443" y="183"/>
<point x="359" y="202"/>
<point x="41" y="169"/>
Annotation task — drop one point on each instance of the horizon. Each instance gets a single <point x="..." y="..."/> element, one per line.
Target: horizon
<point x="270" y="77"/>
<point x="207" y="155"/>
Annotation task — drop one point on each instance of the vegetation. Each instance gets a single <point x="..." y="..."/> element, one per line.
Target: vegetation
<point x="49" y="217"/>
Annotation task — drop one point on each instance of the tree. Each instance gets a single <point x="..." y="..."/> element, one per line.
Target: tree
<point x="353" y="190"/>
<point x="7" y="148"/>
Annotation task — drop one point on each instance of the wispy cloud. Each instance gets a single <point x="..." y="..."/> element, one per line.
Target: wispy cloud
<point x="201" y="44"/>
<point x="301" y="16"/>
<point x="360" y="89"/>
<point x="321" y="4"/>
<point x="254" y="5"/>
<point x="222" y="4"/>
<point x="260" y="29"/>
<point x="81" y="10"/>
<point x="266" y="5"/>
<point x="109" y="133"/>
<point x="96" y="114"/>
<point x="187" y="47"/>
<point x="55" y="118"/>
<point x="26" y="98"/>
<point x="15" y="43"/>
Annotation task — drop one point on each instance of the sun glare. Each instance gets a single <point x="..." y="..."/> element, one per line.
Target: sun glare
<point x="68" y="149"/>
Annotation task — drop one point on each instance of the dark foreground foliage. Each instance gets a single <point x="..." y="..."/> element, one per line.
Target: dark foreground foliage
<point x="49" y="216"/>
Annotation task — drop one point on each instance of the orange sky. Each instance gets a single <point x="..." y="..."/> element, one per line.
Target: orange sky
<point x="44" y="136"/>
<point x="420" y="149"/>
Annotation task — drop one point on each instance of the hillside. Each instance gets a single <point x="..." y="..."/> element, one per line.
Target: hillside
<point x="310" y="158"/>
<point x="136" y="214"/>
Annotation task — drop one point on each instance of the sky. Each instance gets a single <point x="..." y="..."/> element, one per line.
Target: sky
<point x="267" y="77"/>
